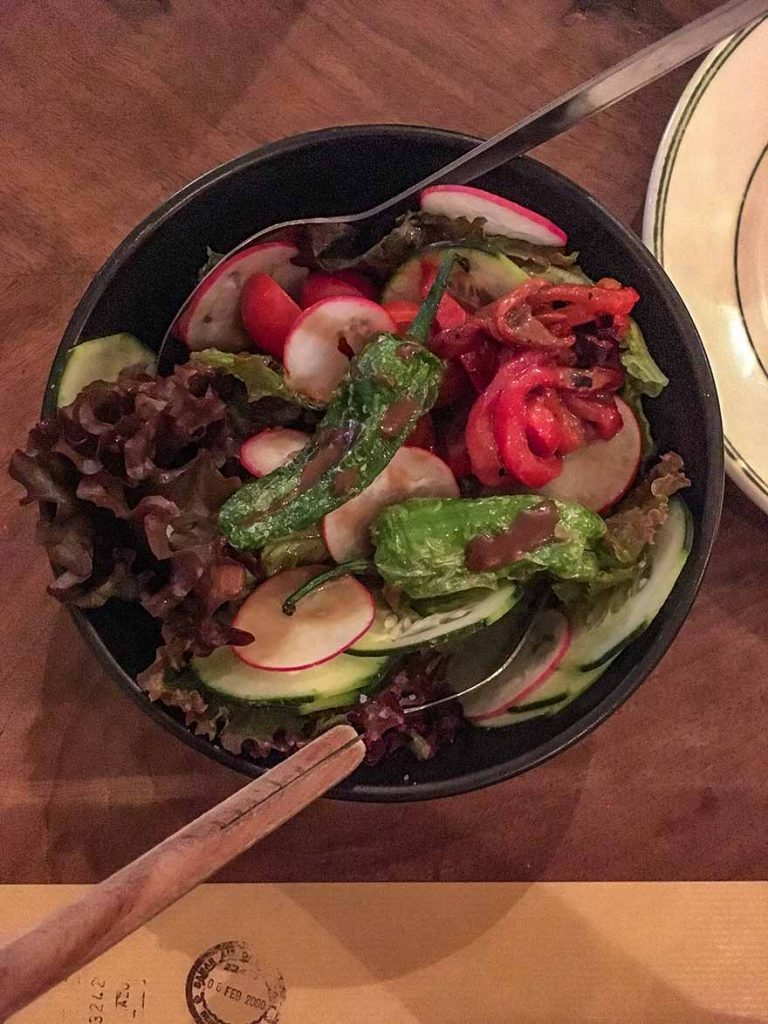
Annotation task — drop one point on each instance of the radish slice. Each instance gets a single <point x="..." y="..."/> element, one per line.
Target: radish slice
<point x="324" y="338"/>
<point x="502" y="216"/>
<point x="210" y="318"/>
<point x="601" y="472"/>
<point x="412" y="473"/>
<point x="544" y="651"/>
<point x="270" y="449"/>
<point x="325" y="623"/>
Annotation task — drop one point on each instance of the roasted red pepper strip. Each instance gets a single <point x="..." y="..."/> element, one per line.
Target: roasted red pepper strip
<point x="500" y="414"/>
<point x="542" y="425"/>
<point x="481" y="443"/>
<point x="455" y="385"/>
<point x="480" y="364"/>
<point x="508" y="414"/>
<point x="599" y="411"/>
<point x="572" y="434"/>
<point x="600" y="301"/>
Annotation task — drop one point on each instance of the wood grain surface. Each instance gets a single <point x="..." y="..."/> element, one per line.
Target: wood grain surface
<point x="103" y="914"/>
<point x="106" y="107"/>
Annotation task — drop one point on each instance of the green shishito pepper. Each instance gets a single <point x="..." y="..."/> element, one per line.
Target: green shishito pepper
<point x="389" y="386"/>
<point x="423" y="545"/>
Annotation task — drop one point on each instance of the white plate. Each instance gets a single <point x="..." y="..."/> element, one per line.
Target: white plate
<point x="706" y="221"/>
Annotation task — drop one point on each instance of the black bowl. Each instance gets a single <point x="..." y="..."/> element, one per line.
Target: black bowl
<point x="339" y="170"/>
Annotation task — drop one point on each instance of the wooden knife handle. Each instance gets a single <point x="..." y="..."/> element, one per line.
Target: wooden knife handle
<point x="106" y="913"/>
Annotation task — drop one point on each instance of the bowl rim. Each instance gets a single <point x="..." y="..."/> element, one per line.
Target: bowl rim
<point x="685" y="591"/>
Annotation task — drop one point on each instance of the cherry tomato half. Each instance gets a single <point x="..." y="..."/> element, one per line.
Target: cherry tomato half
<point x="343" y="282"/>
<point x="268" y="313"/>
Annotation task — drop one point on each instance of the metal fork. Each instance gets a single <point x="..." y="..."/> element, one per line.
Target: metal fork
<point x="353" y="234"/>
<point x="507" y="667"/>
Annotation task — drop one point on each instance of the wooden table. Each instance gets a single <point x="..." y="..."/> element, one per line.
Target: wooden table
<point x="106" y="108"/>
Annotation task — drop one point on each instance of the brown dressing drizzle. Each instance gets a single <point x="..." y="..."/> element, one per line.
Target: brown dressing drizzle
<point x="396" y="418"/>
<point x="334" y="444"/>
<point x="344" y="480"/>
<point x="531" y="528"/>
<point x="407" y="350"/>
<point x="329" y="452"/>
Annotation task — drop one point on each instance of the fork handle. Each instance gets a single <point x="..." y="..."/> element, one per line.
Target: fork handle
<point x="618" y="82"/>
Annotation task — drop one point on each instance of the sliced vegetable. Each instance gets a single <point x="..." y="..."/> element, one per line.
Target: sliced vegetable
<point x="101" y="359"/>
<point x="324" y="624"/>
<point x="335" y="683"/>
<point x="268" y="313"/>
<point x="478" y="277"/>
<point x="541" y="424"/>
<point x="545" y="648"/>
<point x="210" y="318"/>
<point x="594" y="647"/>
<point x="344" y="282"/>
<point x="601" y="472"/>
<point x="600" y="411"/>
<point x="398" y="633"/>
<point x="412" y="473"/>
<point x="324" y="339"/>
<point x="425" y="546"/>
<point x="598" y="645"/>
<point x="391" y="384"/>
<point x="501" y="216"/>
<point x="480" y="435"/>
<point x="497" y="436"/>
<point x="270" y="449"/>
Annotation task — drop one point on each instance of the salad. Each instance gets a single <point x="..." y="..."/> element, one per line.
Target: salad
<point x="359" y="471"/>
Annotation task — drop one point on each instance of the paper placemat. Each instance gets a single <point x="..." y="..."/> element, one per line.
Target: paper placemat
<point x="617" y="953"/>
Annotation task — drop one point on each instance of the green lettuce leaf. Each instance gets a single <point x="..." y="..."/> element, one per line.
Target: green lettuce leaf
<point x="260" y="730"/>
<point x="263" y="729"/>
<point x="647" y="378"/>
<point x="305" y="547"/>
<point x="416" y="230"/>
<point x="633" y="396"/>
<point x="635" y="522"/>
<point x="260" y="374"/>
<point x="180" y="688"/>
<point x="421" y="544"/>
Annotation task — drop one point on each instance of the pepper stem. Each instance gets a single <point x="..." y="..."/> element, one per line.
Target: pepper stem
<point x="361" y="567"/>
<point x="419" y="329"/>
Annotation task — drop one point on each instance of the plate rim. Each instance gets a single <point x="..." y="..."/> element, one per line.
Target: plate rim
<point x="737" y="468"/>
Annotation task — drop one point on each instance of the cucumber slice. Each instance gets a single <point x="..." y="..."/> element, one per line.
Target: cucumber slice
<point x="593" y="649"/>
<point x="545" y="649"/>
<point x="101" y="359"/>
<point x="335" y="683"/>
<point x="597" y="647"/>
<point x="490" y="276"/>
<point x="392" y="633"/>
